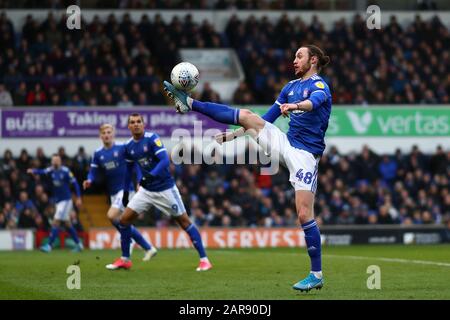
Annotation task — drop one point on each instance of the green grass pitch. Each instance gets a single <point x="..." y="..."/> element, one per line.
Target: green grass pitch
<point x="407" y="272"/>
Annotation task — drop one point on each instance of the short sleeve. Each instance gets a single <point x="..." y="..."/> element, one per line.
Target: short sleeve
<point x="282" y="97"/>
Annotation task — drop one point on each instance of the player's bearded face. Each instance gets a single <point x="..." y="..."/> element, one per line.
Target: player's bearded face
<point x="302" y="62"/>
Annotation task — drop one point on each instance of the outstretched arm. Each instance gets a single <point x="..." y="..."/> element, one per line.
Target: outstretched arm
<point x="93" y="171"/>
<point x="314" y="101"/>
<point x="37" y="171"/>
<point x="229" y="135"/>
<point x="305" y="105"/>
<point x="273" y="113"/>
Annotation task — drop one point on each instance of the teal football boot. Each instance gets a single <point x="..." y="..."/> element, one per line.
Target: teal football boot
<point x="179" y="97"/>
<point x="46" y="248"/>
<point x="310" y="282"/>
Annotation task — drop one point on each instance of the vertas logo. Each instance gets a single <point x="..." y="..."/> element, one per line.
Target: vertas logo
<point x="361" y="123"/>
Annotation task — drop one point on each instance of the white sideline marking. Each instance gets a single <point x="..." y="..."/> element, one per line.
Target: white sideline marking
<point x="425" y="262"/>
<point x="434" y="263"/>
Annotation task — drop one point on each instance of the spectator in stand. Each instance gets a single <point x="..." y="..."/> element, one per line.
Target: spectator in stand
<point x="36" y="97"/>
<point x="5" y="97"/>
<point x="388" y="169"/>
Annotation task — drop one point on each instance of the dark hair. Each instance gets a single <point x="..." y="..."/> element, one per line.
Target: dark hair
<point x="320" y="54"/>
<point x="135" y="115"/>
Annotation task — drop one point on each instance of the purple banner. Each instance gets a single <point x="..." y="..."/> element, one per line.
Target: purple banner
<point x="78" y="122"/>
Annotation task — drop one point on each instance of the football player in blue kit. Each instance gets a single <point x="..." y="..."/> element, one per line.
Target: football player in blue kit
<point x="307" y="100"/>
<point x="110" y="159"/>
<point x="61" y="180"/>
<point x="157" y="188"/>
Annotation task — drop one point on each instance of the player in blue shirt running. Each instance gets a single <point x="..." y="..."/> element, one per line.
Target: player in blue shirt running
<point x="61" y="180"/>
<point x="111" y="160"/>
<point x="157" y="188"/>
<point x="308" y="102"/>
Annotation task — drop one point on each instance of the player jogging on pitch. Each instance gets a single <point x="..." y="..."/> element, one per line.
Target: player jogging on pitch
<point x="157" y="188"/>
<point x="111" y="160"/>
<point x="61" y="179"/>
<point x="308" y="101"/>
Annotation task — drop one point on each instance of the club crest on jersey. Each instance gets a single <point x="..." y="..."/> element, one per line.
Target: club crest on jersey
<point x="305" y="93"/>
<point x="158" y="142"/>
<point x="116" y="154"/>
<point x="145" y="149"/>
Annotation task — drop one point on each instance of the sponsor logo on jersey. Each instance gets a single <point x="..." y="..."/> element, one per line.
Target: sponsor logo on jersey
<point x="116" y="154"/>
<point x="158" y="142"/>
<point x="291" y="93"/>
<point x="145" y="149"/>
<point x="320" y="85"/>
<point x="305" y="93"/>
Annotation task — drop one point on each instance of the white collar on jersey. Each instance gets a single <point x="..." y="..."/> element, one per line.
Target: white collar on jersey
<point x="312" y="76"/>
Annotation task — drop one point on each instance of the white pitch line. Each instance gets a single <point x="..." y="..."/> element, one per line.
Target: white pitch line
<point x="434" y="263"/>
<point x="425" y="262"/>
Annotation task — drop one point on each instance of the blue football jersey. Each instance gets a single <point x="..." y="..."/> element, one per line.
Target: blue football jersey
<point x="307" y="129"/>
<point x="144" y="152"/>
<point x="112" y="162"/>
<point x="61" y="179"/>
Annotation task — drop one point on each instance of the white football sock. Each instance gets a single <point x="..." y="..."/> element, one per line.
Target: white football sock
<point x="189" y="101"/>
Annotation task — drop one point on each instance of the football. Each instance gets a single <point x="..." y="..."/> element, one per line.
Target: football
<point x="185" y="76"/>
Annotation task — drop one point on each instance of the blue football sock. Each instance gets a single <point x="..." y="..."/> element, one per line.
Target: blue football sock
<point x="219" y="112"/>
<point x="115" y="223"/>
<point x="313" y="243"/>
<point x="137" y="236"/>
<point x="73" y="234"/>
<point x="53" y="235"/>
<point x="196" y="239"/>
<point x="125" y="239"/>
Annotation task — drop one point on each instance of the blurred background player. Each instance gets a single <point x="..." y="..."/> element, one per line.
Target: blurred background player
<point x="157" y="188"/>
<point x="110" y="159"/>
<point x="61" y="180"/>
<point x="308" y="101"/>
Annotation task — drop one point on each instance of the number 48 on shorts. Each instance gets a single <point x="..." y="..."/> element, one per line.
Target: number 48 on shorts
<point x="306" y="177"/>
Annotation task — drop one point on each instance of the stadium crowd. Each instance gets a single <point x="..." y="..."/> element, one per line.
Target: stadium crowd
<point x="213" y="4"/>
<point x="121" y="62"/>
<point x="360" y="188"/>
